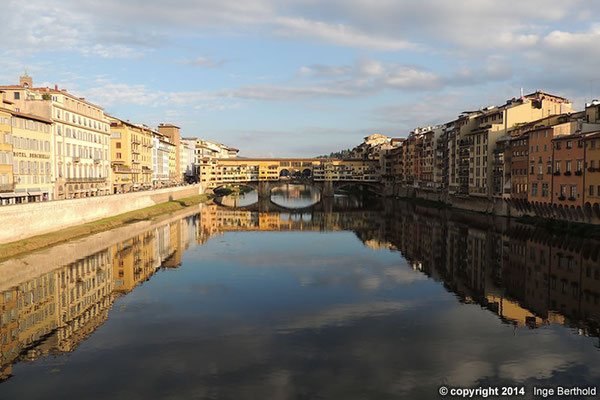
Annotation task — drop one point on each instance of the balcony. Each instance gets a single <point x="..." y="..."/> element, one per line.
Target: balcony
<point x="571" y="198"/>
<point x="592" y="169"/>
<point x="97" y="160"/>
<point x="562" y="198"/>
<point x="556" y="173"/>
<point x="568" y="173"/>
<point x="81" y="180"/>
<point x="76" y="159"/>
<point x="578" y="173"/>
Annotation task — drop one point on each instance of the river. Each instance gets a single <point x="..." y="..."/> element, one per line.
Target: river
<point x="298" y="298"/>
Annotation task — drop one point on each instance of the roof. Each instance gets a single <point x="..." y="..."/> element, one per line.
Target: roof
<point x="30" y="116"/>
<point x="538" y="92"/>
<point x="168" y="126"/>
<point x="49" y="90"/>
<point x="568" y="136"/>
<point x="592" y="135"/>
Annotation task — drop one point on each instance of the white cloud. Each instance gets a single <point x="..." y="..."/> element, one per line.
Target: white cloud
<point x="338" y="34"/>
<point x="205" y="62"/>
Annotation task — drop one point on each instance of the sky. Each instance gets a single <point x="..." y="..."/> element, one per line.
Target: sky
<point x="279" y="78"/>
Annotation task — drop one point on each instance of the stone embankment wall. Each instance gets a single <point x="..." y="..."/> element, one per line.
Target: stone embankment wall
<point x="500" y="207"/>
<point x="25" y="220"/>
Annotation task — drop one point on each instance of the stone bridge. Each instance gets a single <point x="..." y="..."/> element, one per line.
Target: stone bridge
<point x="264" y="174"/>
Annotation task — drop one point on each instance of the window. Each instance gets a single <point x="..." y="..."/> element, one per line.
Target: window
<point x="563" y="190"/>
<point x="569" y="144"/>
<point x="591" y="190"/>
<point x="557" y="145"/>
<point x="579" y="165"/>
<point x="568" y="166"/>
<point x="118" y="155"/>
<point x="545" y="190"/>
<point x="534" y="189"/>
<point x="118" y="144"/>
<point x="557" y="167"/>
<point x="573" y="191"/>
<point x="17" y="95"/>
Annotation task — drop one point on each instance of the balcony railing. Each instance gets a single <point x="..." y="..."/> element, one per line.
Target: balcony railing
<point x="76" y="159"/>
<point x="81" y="180"/>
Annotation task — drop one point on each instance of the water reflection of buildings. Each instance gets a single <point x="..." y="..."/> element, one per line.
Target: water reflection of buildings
<point x="525" y="276"/>
<point x="56" y="311"/>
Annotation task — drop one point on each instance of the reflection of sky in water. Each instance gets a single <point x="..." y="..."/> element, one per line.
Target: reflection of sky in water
<point x="295" y="196"/>
<point x="241" y="200"/>
<point x="286" y="315"/>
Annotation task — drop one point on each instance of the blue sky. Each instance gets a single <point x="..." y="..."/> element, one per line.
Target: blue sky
<point x="301" y="78"/>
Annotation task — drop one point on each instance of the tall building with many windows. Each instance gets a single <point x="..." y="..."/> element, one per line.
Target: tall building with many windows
<point x="161" y="160"/>
<point x="131" y="156"/>
<point x="81" y="137"/>
<point x="6" y="155"/>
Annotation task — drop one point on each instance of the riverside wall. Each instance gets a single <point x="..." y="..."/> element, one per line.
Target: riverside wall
<point x="499" y="207"/>
<point x="25" y="220"/>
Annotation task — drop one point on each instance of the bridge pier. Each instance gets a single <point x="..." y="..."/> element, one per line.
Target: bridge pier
<point x="328" y="190"/>
<point x="264" y="189"/>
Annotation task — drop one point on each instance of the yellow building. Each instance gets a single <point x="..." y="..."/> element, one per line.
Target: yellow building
<point x="131" y="156"/>
<point x="215" y="172"/>
<point x="133" y="262"/>
<point x="81" y="137"/>
<point x="6" y="156"/>
<point x="32" y="158"/>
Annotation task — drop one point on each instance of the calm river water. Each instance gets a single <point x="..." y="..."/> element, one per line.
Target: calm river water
<point x="288" y="299"/>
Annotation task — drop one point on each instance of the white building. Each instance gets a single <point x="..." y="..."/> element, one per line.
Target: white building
<point x="160" y="159"/>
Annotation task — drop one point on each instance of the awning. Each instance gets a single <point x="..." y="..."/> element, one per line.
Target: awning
<point x="34" y="192"/>
<point x="7" y="195"/>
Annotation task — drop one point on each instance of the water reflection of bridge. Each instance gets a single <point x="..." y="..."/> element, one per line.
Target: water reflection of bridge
<point x="526" y="276"/>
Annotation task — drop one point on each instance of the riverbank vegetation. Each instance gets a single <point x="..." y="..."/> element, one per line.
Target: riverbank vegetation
<point x="20" y="247"/>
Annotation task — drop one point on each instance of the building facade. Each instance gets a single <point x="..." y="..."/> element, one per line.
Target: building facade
<point x="81" y="137"/>
<point x="131" y="156"/>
